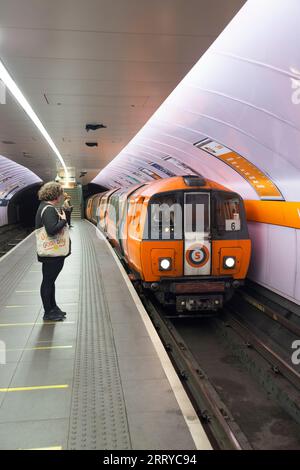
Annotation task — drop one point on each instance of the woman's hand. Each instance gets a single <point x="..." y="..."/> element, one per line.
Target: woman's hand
<point x="63" y="215"/>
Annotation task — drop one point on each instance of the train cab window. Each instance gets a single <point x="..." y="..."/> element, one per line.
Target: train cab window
<point x="196" y="212"/>
<point x="164" y="218"/>
<point x="229" y="215"/>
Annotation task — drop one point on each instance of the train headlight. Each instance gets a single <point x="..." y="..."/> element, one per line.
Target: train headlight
<point x="165" y="264"/>
<point x="229" y="262"/>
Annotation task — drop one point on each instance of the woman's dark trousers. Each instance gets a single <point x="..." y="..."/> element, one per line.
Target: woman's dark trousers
<point x="68" y="217"/>
<point x="51" y="270"/>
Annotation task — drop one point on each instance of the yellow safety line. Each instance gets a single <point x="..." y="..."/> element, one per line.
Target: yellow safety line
<point x="39" y="323"/>
<point x="45" y="448"/>
<point x="48" y="347"/>
<point x="45" y="341"/>
<point x="38" y="387"/>
<point x="68" y="288"/>
<point x="15" y="306"/>
<point x="37" y="290"/>
<point x="21" y="306"/>
<point x="37" y="348"/>
<point x="22" y="291"/>
<point x="69" y="303"/>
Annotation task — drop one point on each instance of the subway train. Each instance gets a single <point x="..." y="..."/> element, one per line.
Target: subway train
<point x="183" y="238"/>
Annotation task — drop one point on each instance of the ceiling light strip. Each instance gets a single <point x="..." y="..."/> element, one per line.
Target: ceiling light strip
<point x="16" y="92"/>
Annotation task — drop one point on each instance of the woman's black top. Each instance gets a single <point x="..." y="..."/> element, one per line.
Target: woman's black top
<point x="53" y="224"/>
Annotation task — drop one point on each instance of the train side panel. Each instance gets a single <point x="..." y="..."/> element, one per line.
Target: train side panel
<point x="135" y="229"/>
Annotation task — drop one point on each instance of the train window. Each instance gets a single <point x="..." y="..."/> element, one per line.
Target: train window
<point x="121" y="212"/>
<point x="113" y="210"/>
<point x="196" y="212"/>
<point x="103" y="212"/>
<point x="164" y="218"/>
<point x="94" y="207"/>
<point x="102" y="205"/>
<point x="229" y="215"/>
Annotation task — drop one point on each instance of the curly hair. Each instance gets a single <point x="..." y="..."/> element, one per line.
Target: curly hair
<point x="50" y="191"/>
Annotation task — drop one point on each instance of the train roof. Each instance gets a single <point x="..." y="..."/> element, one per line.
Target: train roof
<point x="179" y="183"/>
<point x="166" y="184"/>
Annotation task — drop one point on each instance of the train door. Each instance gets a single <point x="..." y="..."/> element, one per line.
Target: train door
<point x="197" y="238"/>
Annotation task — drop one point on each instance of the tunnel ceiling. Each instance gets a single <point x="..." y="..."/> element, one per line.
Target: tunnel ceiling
<point x="96" y="61"/>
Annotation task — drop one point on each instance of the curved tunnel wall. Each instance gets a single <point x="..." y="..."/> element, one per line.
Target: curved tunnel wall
<point x="240" y="105"/>
<point x="18" y="187"/>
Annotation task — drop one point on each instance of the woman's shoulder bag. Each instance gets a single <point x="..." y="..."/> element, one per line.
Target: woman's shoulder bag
<point x="52" y="246"/>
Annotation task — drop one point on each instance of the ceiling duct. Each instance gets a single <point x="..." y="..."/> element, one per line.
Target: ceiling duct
<point x="92" y="144"/>
<point x="94" y="127"/>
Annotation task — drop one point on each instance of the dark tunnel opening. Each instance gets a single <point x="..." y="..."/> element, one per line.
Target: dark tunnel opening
<point x="23" y="206"/>
<point x="91" y="189"/>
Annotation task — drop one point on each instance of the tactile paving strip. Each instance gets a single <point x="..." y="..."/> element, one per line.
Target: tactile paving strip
<point x="98" y="415"/>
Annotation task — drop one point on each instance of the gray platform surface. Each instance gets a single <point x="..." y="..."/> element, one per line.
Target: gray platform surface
<point x="93" y="381"/>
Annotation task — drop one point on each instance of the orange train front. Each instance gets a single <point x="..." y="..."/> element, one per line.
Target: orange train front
<point x="184" y="238"/>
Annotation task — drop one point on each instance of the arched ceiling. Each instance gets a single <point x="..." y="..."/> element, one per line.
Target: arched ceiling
<point x="243" y="93"/>
<point x="101" y="61"/>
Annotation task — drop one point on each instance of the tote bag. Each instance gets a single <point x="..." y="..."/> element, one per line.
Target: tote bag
<point x="51" y="246"/>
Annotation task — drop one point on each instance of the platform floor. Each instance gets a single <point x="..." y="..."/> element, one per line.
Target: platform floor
<point x="98" y="380"/>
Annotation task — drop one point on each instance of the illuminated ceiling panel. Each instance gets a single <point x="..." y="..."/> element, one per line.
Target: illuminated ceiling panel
<point x="13" y="178"/>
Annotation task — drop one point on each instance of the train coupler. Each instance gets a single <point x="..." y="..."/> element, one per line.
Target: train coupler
<point x="198" y="302"/>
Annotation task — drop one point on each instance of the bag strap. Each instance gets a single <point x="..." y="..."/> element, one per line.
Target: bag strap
<point x="48" y="205"/>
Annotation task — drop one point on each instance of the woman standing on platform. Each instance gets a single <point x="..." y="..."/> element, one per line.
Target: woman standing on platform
<point x="67" y="207"/>
<point x="49" y="218"/>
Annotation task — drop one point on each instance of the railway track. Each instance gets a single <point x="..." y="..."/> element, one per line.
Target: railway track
<point x="272" y="341"/>
<point x="260" y="371"/>
<point x="213" y="413"/>
<point x="10" y="236"/>
<point x="277" y="363"/>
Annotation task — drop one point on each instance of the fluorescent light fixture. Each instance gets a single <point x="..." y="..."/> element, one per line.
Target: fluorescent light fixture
<point x="2" y="92"/>
<point x="16" y="92"/>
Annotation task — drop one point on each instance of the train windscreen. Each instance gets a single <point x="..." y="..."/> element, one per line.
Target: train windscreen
<point x="164" y="217"/>
<point x="228" y="216"/>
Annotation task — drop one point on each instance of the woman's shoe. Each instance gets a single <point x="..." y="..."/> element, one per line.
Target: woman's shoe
<point x="53" y="315"/>
<point x="57" y="309"/>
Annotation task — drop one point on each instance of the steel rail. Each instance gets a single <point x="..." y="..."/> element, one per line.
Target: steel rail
<point x="271" y="313"/>
<point x="278" y="364"/>
<point x="211" y="410"/>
